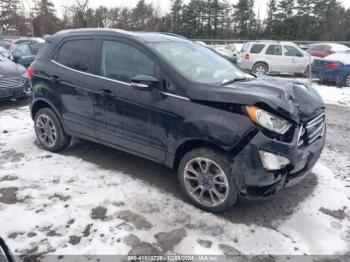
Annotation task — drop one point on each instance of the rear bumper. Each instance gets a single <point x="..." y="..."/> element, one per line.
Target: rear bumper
<point x="328" y="75"/>
<point x="256" y="182"/>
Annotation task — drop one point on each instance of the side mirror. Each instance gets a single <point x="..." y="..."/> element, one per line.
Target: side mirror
<point x="144" y="82"/>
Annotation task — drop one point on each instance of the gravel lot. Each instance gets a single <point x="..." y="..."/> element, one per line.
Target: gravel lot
<point x="92" y="199"/>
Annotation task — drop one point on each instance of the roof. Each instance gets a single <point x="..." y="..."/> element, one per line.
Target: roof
<point x="148" y="37"/>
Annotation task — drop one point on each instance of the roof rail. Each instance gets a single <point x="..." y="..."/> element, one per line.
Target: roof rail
<point x="82" y="30"/>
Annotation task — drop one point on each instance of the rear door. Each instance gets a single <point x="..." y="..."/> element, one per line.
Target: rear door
<point x="275" y="58"/>
<point x="126" y="117"/>
<point x="73" y="79"/>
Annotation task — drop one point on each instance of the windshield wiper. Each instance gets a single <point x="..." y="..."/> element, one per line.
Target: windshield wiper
<point x="238" y="79"/>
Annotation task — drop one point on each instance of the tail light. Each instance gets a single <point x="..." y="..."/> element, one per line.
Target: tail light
<point x="332" y="66"/>
<point x="30" y="72"/>
<point x="246" y="57"/>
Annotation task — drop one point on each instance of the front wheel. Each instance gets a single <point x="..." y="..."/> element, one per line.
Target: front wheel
<point x="207" y="179"/>
<point x="49" y="131"/>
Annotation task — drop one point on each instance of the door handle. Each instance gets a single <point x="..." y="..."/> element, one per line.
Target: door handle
<point x="55" y="78"/>
<point x="106" y="92"/>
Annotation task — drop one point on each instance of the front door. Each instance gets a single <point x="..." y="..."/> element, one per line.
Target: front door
<point x="297" y="61"/>
<point x="126" y="117"/>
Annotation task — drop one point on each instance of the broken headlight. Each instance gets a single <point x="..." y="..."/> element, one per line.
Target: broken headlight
<point x="267" y="120"/>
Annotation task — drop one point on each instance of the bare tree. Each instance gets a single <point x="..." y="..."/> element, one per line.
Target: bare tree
<point x="79" y="11"/>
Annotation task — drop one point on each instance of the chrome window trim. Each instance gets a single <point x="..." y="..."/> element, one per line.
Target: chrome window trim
<point x="88" y="74"/>
<point x="115" y="81"/>
<point x="175" y="96"/>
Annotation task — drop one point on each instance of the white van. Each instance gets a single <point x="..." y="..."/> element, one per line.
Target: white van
<point x="262" y="57"/>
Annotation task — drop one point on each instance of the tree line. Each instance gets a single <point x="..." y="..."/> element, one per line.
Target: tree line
<point x="209" y="19"/>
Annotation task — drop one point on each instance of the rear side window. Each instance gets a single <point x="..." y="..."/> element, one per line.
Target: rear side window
<point x="257" y="48"/>
<point x="122" y="62"/>
<point x="76" y="54"/>
<point x="274" y="50"/>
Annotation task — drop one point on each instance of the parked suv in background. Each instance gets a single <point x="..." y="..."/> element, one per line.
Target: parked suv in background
<point x="175" y="102"/>
<point x="264" y="57"/>
<point x="325" y="49"/>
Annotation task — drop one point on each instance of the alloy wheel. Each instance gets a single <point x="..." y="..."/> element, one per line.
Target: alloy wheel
<point x="206" y="182"/>
<point x="260" y="70"/>
<point x="46" y="130"/>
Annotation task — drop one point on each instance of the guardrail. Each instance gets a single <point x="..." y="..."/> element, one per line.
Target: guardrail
<point x="232" y="41"/>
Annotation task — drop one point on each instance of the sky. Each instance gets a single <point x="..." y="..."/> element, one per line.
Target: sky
<point x="163" y="5"/>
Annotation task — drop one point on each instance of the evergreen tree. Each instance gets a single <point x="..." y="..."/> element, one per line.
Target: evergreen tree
<point x="176" y="7"/>
<point x="9" y="17"/>
<point x="244" y="18"/>
<point x="45" y="20"/>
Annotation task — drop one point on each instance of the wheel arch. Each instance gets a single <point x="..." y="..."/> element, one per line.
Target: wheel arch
<point x="261" y="62"/>
<point x="40" y="104"/>
<point x="189" y="145"/>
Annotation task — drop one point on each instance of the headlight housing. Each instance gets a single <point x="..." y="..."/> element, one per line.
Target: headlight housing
<point x="267" y="120"/>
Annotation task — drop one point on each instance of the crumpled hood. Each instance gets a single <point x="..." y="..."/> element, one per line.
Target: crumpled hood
<point x="10" y="69"/>
<point x="293" y="100"/>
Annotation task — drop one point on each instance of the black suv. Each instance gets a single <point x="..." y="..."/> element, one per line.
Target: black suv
<point x="170" y="100"/>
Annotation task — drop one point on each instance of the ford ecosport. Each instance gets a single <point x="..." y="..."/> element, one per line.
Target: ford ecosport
<point x="175" y="102"/>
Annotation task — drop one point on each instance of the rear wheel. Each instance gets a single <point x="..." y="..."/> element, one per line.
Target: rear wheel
<point x="259" y="69"/>
<point x="307" y="72"/>
<point x="49" y="131"/>
<point x="347" y="81"/>
<point x="206" y="177"/>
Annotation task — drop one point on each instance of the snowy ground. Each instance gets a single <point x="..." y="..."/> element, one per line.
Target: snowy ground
<point x="95" y="200"/>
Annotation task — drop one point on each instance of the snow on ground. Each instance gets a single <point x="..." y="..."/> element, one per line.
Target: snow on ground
<point x="68" y="204"/>
<point x="330" y="93"/>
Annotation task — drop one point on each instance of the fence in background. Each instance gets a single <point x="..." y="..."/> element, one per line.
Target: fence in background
<point x="239" y="41"/>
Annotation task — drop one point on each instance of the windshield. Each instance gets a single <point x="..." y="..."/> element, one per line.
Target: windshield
<point x="198" y="63"/>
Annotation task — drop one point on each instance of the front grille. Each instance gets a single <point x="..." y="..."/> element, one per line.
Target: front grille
<point x="12" y="82"/>
<point x="312" y="130"/>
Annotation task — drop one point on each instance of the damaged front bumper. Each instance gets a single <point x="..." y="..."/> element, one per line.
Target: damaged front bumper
<point x="255" y="181"/>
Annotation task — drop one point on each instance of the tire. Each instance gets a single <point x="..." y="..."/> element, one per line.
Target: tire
<point x="215" y="190"/>
<point x="307" y="72"/>
<point x="346" y="82"/>
<point x="260" y="69"/>
<point x="49" y="131"/>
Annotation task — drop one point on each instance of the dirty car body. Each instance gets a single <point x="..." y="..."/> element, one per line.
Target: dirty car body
<point x="169" y="113"/>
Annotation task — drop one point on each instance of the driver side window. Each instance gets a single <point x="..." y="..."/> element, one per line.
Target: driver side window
<point x="292" y="51"/>
<point x="122" y="62"/>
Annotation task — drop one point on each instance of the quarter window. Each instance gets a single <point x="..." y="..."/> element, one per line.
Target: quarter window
<point x="274" y="50"/>
<point x="122" y="62"/>
<point x="257" y="48"/>
<point x="76" y="54"/>
<point x="292" y="51"/>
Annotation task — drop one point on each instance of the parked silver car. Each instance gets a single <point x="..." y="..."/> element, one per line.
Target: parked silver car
<point x="264" y="57"/>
